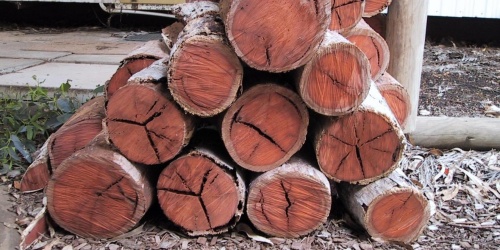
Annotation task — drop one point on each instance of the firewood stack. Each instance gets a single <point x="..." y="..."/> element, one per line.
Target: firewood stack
<point x="298" y="94"/>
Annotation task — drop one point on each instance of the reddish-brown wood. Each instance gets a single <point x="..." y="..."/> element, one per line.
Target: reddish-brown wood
<point x="337" y="79"/>
<point x="265" y="127"/>
<point x="205" y="74"/>
<point x="77" y="131"/>
<point x="390" y="209"/>
<point x="201" y="193"/>
<point x="98" y="193"/>
<point x="289" y="201"/>
<point x="143" y="121"/>
<point x="345" y="14"/>
<point x="363" y="146"/>
<point x="275" y="35"/>
<point x="396" y="97"/>
<point x="134" y="62"/>
<point x="37" y="174"/>
<point x="372" y="45"/>
<point x="373" y="7"/>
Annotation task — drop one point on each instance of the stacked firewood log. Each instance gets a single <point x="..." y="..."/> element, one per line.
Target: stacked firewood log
<point x="270" y="108"/>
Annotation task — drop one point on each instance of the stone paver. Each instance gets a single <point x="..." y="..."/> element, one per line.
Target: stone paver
<point x="91" y="59"/>
<point x="8" y="65"/>
<point x="9" y="237"/>
<point x="31" y="54"/>
<point x="82" y="76"/>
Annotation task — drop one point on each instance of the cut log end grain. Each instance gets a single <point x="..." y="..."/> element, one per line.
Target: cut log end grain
<point x="205" y="76"/>
<point x="145" y="125"/>
<point x="289" y="201"/>
<point x="396" y="97"/>
<point x="98" y="193"/>
<point x="123" y="73"/>
<point x="337" y="80"/>
<point x="265" y="127"/>
<point x="359" y="147"/>
<point x="275" y="35"/>
<point x="398" y="215"/>
<point x="345" y="14"/>
<point x="36" y="177"/>
<point x="373" y="7"/>
<point x="200" y="195"/>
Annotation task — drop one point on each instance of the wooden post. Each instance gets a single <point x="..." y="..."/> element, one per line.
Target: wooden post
<point x="405" y="35"/>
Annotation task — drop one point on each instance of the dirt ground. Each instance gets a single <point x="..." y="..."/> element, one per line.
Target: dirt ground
<point x="464" y="186"/>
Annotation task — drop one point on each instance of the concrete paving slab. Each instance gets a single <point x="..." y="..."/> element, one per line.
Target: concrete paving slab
<point x="82" y="76"/>
<point x="31" y="54"/>
<point x="8" y="65"/>
<point x="91" y="59"/>
<point x="9" y="237"/>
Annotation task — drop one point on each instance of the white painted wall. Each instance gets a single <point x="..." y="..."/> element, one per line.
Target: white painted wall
<point x="465" y="8"/>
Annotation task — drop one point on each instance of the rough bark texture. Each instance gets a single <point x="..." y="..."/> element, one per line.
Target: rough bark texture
<point x="201" y="193"/>
<point x="289" y="201"/>
<point x="265" y="127"/>
<point x="396" y="97"/>
<point x="195" y="9"/>
<point x="76" y="132"/>
<point x="37" y="175"/>
<point x="373" y="7"/>
<point x="345" y="14"/>
<point x="204" y="74"/>
<point x="337" y="79"/>
<point x="363" y="146"/>
<point x="134" y="62"/>
<point x="390" y="209"/>
<point x="143" y="121"/>
<point x="98" y="193"/>
<point x="373" y="46"/>
<point x="275" y="35"/>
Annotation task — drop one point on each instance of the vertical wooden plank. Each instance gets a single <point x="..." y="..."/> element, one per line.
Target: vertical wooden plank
<point x="406" y="25"/>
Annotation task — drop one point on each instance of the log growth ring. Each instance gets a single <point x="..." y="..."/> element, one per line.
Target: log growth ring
<point x="96" y="195"/>
<point x="398" y="100"/>
<point x="146" y="126"/>
<point x="277" y="35"/>
<point x="398" y="215"/>
<point x="359" y="148"/>
<point x="346" y="14"/>
<point x="205" y="75"/>
<point x="123" y="73"/>
<point x="265" y="127"/>
<point x="336" y="81"/>
<point x="376" y="50"/>
<point x="288" y="204"/>
<point x="199" y="196"/>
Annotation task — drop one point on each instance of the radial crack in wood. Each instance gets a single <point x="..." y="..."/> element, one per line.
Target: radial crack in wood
<point x="346" y="14"/>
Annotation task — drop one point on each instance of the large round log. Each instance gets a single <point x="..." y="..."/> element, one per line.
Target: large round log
<point x="134" y="62"/>
<point x="143" y="121"/>
<point x="363" y="146"/>
<point x="289" y="201"/>
<point x="265" y="127"/>
<point x="373" y="46"/>
<point x="390" y="209"/>
<point x="275" y="35"/>
<point x="98" y="193"/>
<point x="205" y="73"/>
<point x="201" y="193"/>
<point x="346" y="14"/>
<point x="396" y="97"/>
<point x="337" y="79"/>
<point x="77" y="131"/>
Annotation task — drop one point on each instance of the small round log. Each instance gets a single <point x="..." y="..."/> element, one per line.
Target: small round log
<point x="275" y="35"/>
<point x="134" y="62"/>
<point x="372" y="45"/>
<point x="205" y="73"/>
<point x="363" y="146"/>
<point x="143" y="121"/>
<point x="346" y="14"/>
<point x="98" y="193"/>
<point x="265" y="127"/>
<point x="289" y="201"/>
<point x="201" y="193"/>
<point x="37" y="175"/>
<point x="77" y="131"/>
<point x="373" y="7"/>
<point x="396" y="97"/>
<point x="337" y="79"/>
<point x="390" y="209"/>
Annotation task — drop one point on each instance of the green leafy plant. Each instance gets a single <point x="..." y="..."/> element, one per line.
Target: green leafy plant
<point x="28" y="119"/>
